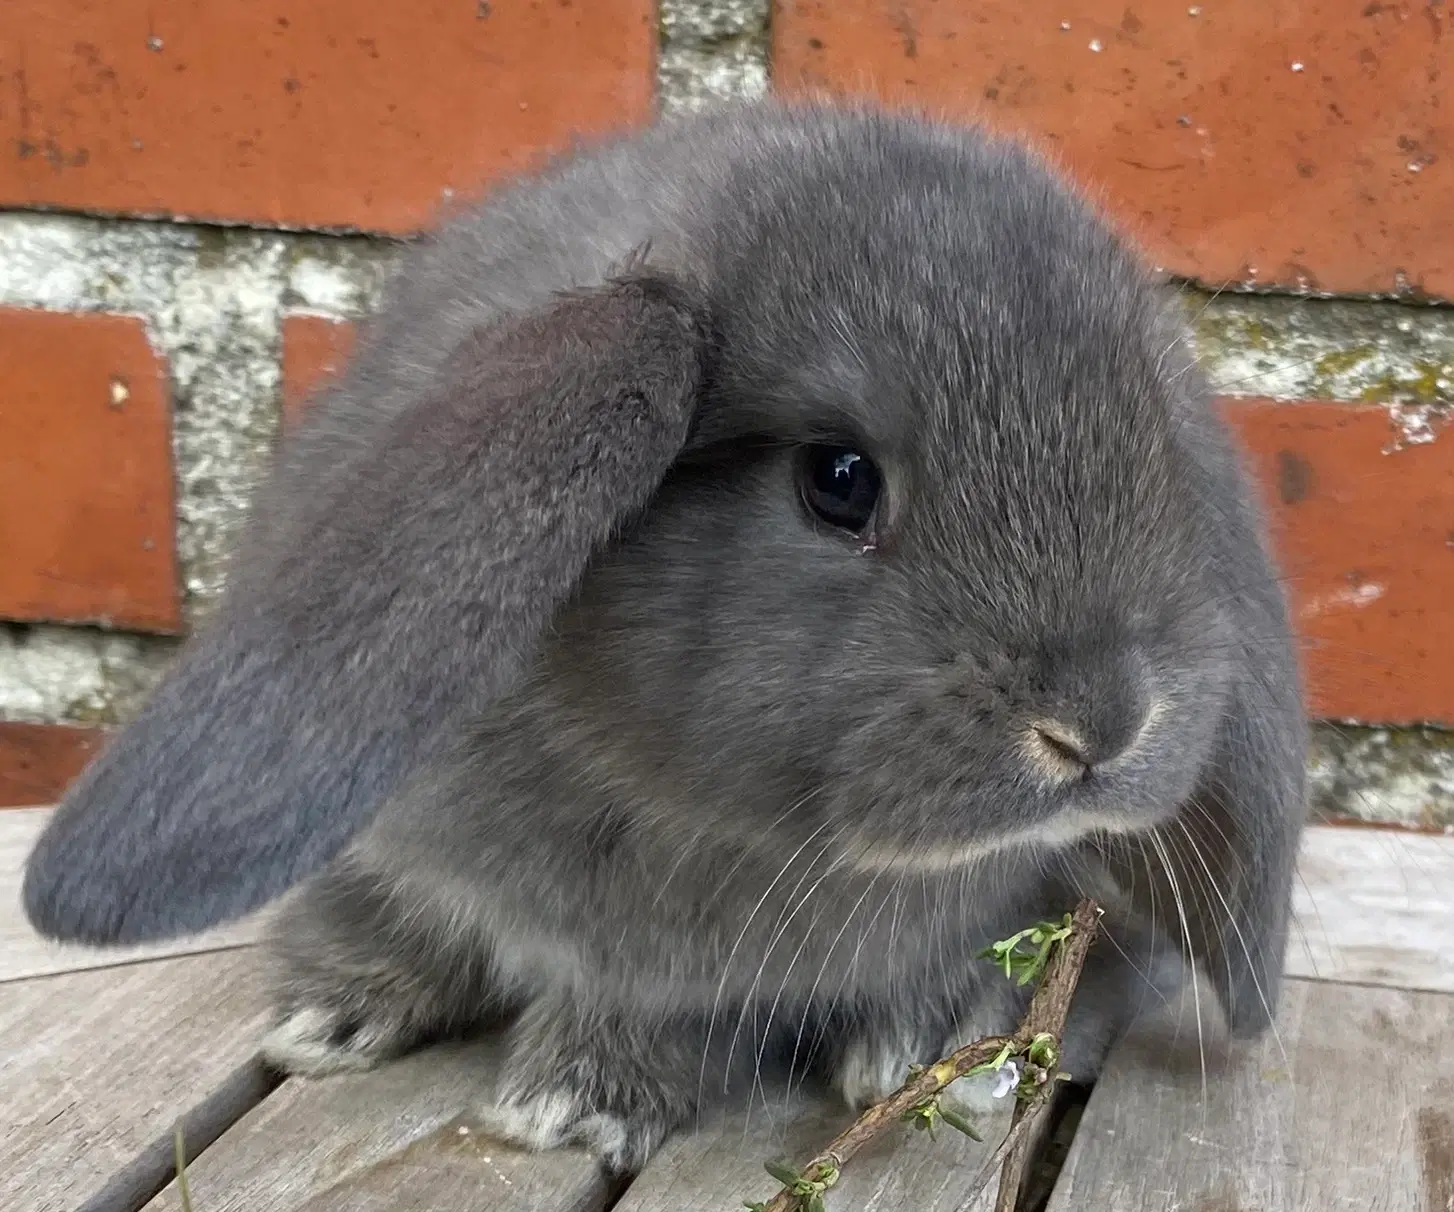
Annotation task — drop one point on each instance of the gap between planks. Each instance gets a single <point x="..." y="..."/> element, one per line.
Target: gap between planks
<point x="96" y="1067"/>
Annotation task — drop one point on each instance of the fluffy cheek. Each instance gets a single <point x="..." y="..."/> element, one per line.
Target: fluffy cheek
<point x="924" y="784"/>
<point x="918" y="781"/>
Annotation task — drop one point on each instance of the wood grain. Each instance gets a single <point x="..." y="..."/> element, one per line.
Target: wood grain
<point x="399" y="1137"/>
<point x="25" y="954"/>
<point x="101" y="1063"/>
<point x="1350" y="1105"/>
<point x="721" y="1167"/>
<point x="95" y="1066"/>
<point x="1374" y="907"/>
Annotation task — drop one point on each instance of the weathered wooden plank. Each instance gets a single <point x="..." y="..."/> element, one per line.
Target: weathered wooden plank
<point x="1375" y="907"/>
<point x="1350" y="1105"/>
<point x="24" y="954"/>
<point x="721" y="1166"/>
<point x="96" y="1066"/>
<point x="398" y="1137"/>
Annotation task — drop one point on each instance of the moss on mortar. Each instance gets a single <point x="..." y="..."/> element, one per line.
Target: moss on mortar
<point x="76" y="675"/>
<point x="711" y="50"/>
<point x="340" y="276"/>
<point x="1325" y="349"/>
<point x="1383" y="774"/>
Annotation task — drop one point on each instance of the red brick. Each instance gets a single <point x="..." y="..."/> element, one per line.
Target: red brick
<point x="314" y="348"/>
<point x="1227" y="160"/>
<point x="38" y="761"/>
<point x="308" y="113"/>
<point x="86" y="491"/>
<point x="1365" y="531"/>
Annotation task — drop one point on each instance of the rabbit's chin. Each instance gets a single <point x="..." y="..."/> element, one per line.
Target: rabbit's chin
<point x="1062" y="832"/>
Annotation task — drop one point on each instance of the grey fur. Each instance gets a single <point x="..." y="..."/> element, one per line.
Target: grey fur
<point x="741" y="792"/>
<point x="300" y="709"/>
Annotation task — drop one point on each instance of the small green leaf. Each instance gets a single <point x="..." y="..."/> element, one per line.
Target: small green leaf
<point x="922" y="1115"/>
<point x="815" y="1202"/>
<point x="1024" y="955"/>
<point x="1044" y="1050"/>
<point x="783" y="1172"/>
<point x="990" y="1066"/>
<point x="959" y="1123"/>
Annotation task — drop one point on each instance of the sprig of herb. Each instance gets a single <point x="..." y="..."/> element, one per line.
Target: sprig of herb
<point x="1055" y="951"/>
<point x="1023" y="956"/>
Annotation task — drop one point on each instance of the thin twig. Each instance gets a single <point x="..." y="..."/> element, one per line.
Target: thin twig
<point x="922" y="1086"/>
<point x="1046" y="1016"/>
<point x="1047" y="1011"/>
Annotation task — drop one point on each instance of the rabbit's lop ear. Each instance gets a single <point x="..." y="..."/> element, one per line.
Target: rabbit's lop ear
<point x="406" y="587"/>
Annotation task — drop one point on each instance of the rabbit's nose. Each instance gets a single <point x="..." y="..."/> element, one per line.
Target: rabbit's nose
<point x="1065" y="751"/>
<point x="1059" y="751"/>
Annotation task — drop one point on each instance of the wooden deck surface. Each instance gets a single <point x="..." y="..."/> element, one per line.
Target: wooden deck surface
<point x="1349" y="1105"/>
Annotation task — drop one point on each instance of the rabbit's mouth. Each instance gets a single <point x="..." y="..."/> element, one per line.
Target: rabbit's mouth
<point x="1062" y="832"/>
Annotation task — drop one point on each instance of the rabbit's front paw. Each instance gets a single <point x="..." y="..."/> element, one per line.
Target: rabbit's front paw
<point x="623" y="1137"/>
<point x="609" y="1085"/>
<point x="314" y="1040"/>
<point x="872" y="1067"/>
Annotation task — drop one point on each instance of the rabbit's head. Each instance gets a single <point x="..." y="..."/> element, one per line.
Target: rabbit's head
<point x="873" y="502"/>
<point x="933" y="568"/>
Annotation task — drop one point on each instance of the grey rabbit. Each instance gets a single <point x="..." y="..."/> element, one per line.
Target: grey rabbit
<point x="747" y="567"/>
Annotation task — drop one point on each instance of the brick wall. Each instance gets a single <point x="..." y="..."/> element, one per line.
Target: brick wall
<point x="193" y="210"/>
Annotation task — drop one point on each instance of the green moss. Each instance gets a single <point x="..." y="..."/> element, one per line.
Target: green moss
<point x="212" y="244"/>
<point x="1341" y="361"/>
<point x="1383" y="774"/>
<point x="91" y="711"/>
<point x="1421" y="381"/>
<point x="1325" y="349"/>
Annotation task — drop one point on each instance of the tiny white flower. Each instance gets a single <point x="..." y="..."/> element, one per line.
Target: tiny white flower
<point x="1007" y="1077"/>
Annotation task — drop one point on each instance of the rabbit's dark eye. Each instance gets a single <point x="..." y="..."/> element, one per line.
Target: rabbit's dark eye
<point x="839" y="485"/>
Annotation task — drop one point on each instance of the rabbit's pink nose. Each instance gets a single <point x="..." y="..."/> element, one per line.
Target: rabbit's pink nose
<point x="1064" y="743"/>
<point x="1061" y="751"/>
<point x="1065" y="752"/>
